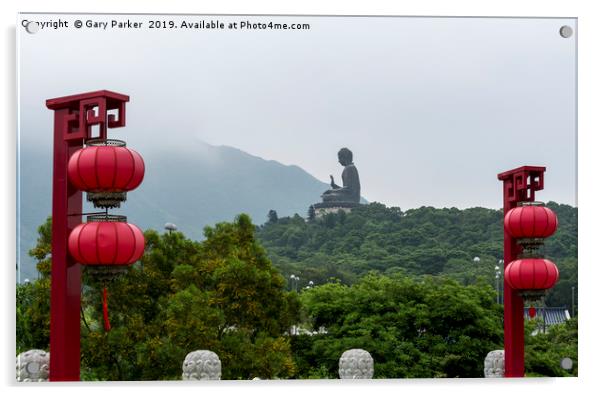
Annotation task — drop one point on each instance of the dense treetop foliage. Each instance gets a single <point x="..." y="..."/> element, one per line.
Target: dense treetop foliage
<point x="429" y="328"/>
<point x="221" y="294"/>
<point x="422" y="241"/>
<point x="544" y="350"/>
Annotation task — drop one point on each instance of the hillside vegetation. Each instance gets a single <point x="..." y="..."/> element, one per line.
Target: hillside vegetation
<point x="417" y="242"/>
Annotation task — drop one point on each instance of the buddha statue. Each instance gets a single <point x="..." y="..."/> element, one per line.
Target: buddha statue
<point x="350" y="191"/>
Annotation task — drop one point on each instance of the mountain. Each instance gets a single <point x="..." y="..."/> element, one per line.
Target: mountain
<point x="192" y="187"/>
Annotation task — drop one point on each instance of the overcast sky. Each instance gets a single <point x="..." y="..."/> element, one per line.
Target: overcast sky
<point x="432" y="108"/>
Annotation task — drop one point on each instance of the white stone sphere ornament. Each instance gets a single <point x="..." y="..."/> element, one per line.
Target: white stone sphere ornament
<point x="356" y="364"/>
<point x="33" y="365"/>
<point x="202" y="365"/>
<point x="494" y="364"/>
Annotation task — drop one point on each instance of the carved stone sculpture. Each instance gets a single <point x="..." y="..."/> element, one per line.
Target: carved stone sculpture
<point x="33" y="365"/>
<point x="201" y="365"/>
<point x="350" y="191"/>
<point x="356" y="364"/>
<point x="340" y="198"/>
<point x="494" y="364"/>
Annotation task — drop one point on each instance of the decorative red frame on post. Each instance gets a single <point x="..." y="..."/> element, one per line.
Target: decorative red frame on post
<point x="519" y="185"/>
<point x="74" y="119"/>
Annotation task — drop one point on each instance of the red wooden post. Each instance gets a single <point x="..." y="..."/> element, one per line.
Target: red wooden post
<point x="74" y="117"/>
<point x="519" y="185"/>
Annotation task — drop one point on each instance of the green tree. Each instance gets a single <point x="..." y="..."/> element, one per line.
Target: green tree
<point x="544" y="351"/>
<point x="33" y="299"/>
<point x="221" y="294"/>
<point x="433" y="327"/>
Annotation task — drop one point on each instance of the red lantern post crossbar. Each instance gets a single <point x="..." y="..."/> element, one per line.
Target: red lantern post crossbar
<point x="74" y="119"/>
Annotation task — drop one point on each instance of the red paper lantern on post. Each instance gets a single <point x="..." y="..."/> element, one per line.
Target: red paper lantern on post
<point x="531" y="220"/>
<point x="106" y="241"/>
<point x="106" y="245"/>
<point x="74" y="119"/>
<point x="106" y="169"/>
<point x="531" y="276"/>
<point x="519" y="186"/>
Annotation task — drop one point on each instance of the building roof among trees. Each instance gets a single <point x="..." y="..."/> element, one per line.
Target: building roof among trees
<point x="552" y="315"/>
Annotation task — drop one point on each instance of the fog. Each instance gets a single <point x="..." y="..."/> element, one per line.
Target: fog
<point x="432" y="108"/>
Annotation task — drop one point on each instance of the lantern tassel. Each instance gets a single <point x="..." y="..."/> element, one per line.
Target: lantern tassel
<point x="105" y="310"/>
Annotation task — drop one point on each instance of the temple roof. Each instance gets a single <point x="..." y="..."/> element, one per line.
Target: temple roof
<point x="553" y="315"/>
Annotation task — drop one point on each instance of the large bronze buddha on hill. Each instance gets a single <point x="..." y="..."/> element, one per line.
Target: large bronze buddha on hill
<point x="350" y="191"/>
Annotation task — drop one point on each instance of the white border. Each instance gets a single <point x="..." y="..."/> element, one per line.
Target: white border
<point x="590" y="28"/>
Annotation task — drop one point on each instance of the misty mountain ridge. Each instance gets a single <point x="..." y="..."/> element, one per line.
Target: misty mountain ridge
<point x="192" y="188"/>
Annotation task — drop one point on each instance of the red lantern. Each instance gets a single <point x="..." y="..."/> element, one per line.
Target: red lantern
<point x="106" y="243"/>
<point x="106" y="169"/>
<point x="532" y="312"/>
<point x="530" y="221"/>
<point x="531" y="276"/>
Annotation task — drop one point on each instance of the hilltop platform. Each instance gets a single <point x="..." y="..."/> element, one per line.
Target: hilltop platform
<point x="324" y="208"/>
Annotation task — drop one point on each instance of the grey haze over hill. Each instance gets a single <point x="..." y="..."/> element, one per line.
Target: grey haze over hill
<point x="191" y="186"/>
